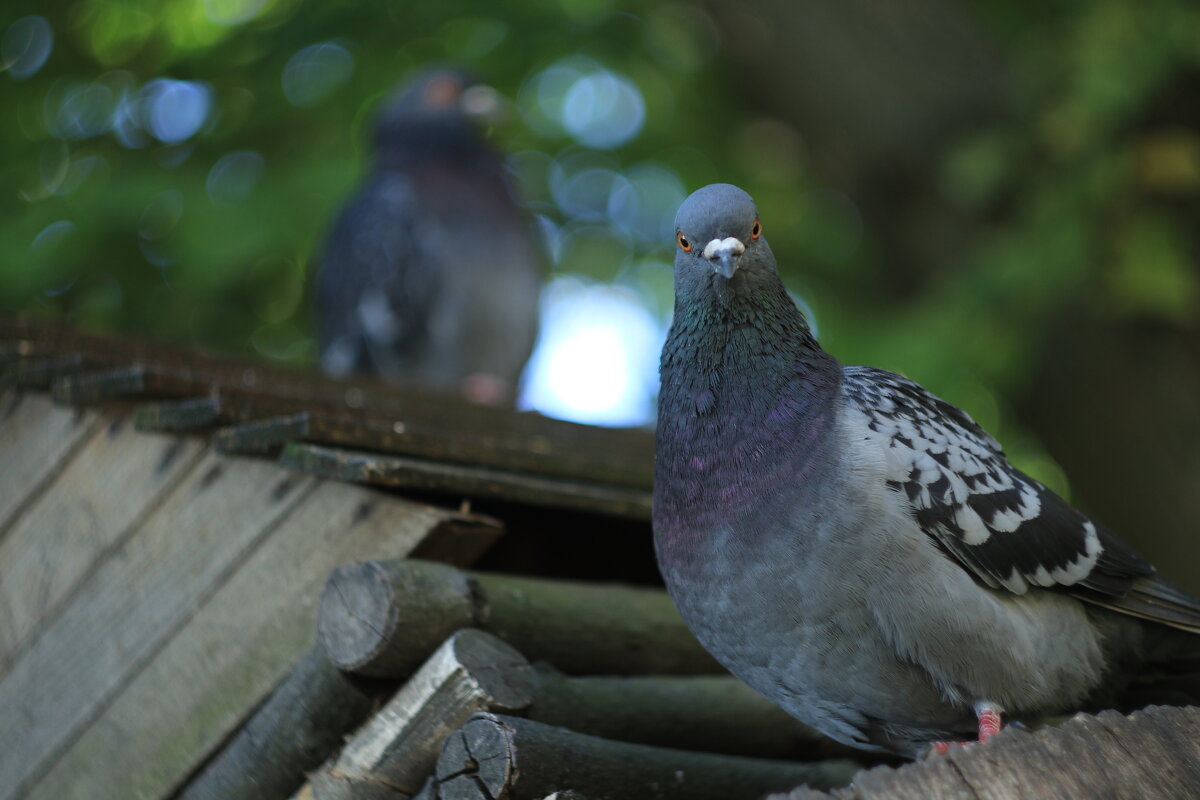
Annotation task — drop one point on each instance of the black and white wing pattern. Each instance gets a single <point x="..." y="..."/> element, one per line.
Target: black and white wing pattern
<point x="374" y="284"/>
<point x="1009" y="530"/>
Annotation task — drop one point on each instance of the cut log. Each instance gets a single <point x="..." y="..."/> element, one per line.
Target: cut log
<point x="1153" y="754"/>
<point x="474" y="671"/>
<point x="289" y="735"/>
<point x="384" y="618"/>
<point x="397" y="749"/>
<point x="495" y="756"/>
<point x="709" y="713"/>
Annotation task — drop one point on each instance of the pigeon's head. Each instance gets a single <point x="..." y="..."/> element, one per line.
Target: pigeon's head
<point x="438" y="98"/>
<point x="717" y="230"/>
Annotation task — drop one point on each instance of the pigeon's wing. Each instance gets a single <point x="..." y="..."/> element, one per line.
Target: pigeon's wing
<point x="1007" y="529"/>
<point x="375" y="282"/>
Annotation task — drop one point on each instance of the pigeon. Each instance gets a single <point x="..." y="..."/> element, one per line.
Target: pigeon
<point x="860" y="551"/>
<point x="432" y="272"/>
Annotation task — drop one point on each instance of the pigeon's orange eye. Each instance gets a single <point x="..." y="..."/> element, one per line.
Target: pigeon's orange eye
<point x="684" y="244"/>
<point x="756" y="231"/>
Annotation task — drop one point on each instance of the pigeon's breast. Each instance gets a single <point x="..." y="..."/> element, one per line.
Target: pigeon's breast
<point x="715" y="478"/>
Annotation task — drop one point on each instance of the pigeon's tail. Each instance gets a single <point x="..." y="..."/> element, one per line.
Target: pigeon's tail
<point x="1170" y="673"/>
<point x="1156" y="599"/>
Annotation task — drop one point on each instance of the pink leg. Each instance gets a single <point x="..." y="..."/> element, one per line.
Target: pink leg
<point x="989" y="720"/>
<point x="988" y="715"/>
<point x="484" y="389"/>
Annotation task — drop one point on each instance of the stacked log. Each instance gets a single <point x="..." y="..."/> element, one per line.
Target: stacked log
<point x="597" y="689"/>
<point x="456" y="685"/>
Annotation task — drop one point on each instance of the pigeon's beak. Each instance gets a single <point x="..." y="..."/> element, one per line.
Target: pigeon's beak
<point x="723" y="254"/>
<point x="483" y="104"/>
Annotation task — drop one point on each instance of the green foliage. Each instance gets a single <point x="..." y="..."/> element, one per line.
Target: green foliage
<point x="1084" y="197"/>
<point x="134" y="238"/>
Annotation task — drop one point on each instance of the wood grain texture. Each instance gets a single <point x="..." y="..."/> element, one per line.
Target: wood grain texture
<point x="398" y="748"/>
<point x="37" y="372"/>
<point x="237" y="646"/>
<point x="1153" y="754"/>
<point x="192" y="414"/>
<point x="495" y="756"/>
<point x="132" y="604"/>
<point x="114" y="481"/>
<point x="708" y="713"/>
<point x="464" y="481"/>
<point x="302" y="720"/>
<point x="384" y="618"/>
<point x="36" y="441"/>
<point x="359" y="413"/>
<point x="261" y="436"/>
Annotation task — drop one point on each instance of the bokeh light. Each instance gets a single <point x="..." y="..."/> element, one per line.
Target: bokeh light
<point x="315" y="72"/>
<point x="25" y="46"/>
<point x="603" y="109"/>
<point x="234" y="177"/>
<point x="234" y="12"/>
<point x="598" y="107"/>
<point x="596" y="360"/>
<point x="79" y="110"/>
<point x="175" y="110"/>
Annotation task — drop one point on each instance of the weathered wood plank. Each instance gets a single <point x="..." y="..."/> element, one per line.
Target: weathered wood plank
<point x="133" y="603"/>
<point x="36" y="441"/>
<point x="625" y="459"/>
<point x="1153" y="754"/>
<point x="97" y="386"/>
<point x="192" y="414"/>
<point x="115" y="479"/>
<point x="499" y="447"/>
<point x="36" y="372"/>
<point x="237" y="646"/>
<point x="411" y="473"/>
<point x="262" y="436"/>
<point x="362" y="413"/>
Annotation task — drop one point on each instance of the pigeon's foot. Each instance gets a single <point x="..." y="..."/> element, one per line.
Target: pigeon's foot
<point x="484" y="389"/>
<point x="988" y="715"/>
<point x="941" y="748"/>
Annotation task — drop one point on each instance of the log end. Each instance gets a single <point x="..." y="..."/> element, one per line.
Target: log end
<point x="383" y="618"/>
<point x="477" y="761"/>
<point x="355" y="614"/>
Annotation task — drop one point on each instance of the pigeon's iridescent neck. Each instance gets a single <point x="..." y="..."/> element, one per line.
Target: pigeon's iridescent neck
<point x="747" y="404"/>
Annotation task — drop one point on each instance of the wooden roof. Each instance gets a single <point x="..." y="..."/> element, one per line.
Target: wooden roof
<point x="171" y="523"/>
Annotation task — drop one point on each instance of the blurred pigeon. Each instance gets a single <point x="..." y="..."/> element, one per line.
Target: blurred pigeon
<point x="432" y="272"/>
<point x="860" y="551"/>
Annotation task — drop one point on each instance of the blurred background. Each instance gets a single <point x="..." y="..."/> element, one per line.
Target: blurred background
<point x="1001" y="202"/>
